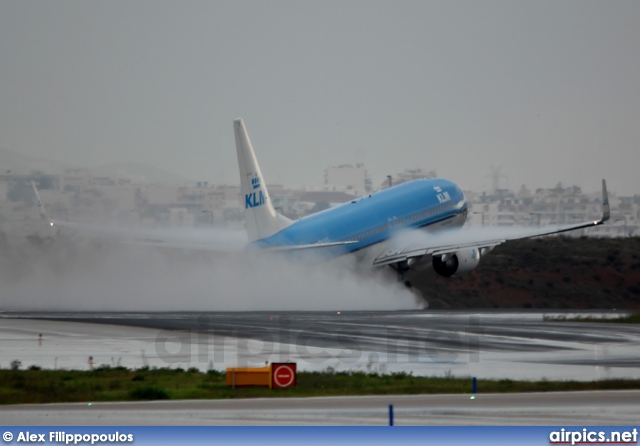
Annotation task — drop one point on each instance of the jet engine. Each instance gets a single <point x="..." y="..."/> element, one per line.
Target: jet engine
<point x="461" y="261"/>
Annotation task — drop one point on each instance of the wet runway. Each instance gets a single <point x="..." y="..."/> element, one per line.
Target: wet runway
<point x="549" y="409"/>
<point x="488" y="344"/>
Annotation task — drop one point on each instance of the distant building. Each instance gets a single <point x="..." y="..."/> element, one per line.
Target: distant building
<point x="180" y="217"/>
<point x="352" y="179"/>
<point x="555" y="206"/>
<point x="320" y="200"/>
<point x="408" y="175"/>
<point x="74" y="179"/>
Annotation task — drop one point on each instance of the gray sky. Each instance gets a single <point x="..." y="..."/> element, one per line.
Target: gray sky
<point x="547" y="89"/>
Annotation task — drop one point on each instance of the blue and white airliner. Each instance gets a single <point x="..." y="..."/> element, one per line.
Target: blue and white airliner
<point x="366" y="227"/>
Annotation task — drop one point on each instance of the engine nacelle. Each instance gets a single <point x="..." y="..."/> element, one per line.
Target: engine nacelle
<point x="459" y="262"/>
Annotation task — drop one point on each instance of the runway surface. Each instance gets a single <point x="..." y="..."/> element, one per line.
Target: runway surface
<point x="556" y="409"/>
<point x="488" y="344"/>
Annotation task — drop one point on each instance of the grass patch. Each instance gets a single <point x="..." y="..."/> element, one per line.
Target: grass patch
<point x="120" y="384"/>
<point x="633" y="318"/>
<point x="148" y="393"/>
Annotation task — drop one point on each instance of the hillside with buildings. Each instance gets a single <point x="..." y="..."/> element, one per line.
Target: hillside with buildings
<point x="143" y="197"/>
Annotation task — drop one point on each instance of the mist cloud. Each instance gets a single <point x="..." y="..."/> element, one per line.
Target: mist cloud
<point x="89" y="275"/>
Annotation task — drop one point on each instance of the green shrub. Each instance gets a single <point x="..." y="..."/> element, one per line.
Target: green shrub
<point x="149" y="393"/>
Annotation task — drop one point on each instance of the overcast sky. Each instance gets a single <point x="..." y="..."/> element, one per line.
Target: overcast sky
<point x="548" y="90"/>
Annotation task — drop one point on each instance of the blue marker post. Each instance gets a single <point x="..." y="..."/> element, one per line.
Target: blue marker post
<point x="475" y="385"/>
<point x="390" y="414"/>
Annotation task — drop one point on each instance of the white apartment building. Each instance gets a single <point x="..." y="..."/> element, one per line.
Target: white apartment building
<point x="352" y="179"/>
<point x="408" y="175"/>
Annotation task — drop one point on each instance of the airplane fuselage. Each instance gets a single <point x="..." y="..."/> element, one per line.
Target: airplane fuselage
<point x="371" y="220"/>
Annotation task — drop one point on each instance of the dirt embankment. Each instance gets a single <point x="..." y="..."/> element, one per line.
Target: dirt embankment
<point x="552" y="272"/>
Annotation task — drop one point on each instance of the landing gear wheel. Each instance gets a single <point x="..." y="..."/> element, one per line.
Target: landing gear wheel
<point x="401" y="268"/>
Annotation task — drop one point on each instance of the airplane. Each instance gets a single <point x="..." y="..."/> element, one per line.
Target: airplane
<point x="367" y="227"/>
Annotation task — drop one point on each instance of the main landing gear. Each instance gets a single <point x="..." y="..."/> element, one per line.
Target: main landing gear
<point x="401" y="268"/>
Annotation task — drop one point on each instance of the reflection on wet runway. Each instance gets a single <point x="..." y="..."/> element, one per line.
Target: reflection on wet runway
<point x="489" y="344"/>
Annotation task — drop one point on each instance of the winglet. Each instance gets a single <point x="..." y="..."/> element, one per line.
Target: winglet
<point x="606" y="213"/>
<point x="43" y="214"/>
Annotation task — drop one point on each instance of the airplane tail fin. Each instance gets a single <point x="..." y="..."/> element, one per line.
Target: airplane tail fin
<point x="261" y="218"/>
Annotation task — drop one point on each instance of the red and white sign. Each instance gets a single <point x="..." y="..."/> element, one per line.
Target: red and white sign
<point x="283" y="375"/>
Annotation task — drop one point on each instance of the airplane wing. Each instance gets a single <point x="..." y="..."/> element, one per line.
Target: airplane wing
<point x="484" y="241"/>
<point x="216" y="241"/>
<point x="227" y="241"/>
<point x="309" y="246"/>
